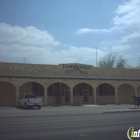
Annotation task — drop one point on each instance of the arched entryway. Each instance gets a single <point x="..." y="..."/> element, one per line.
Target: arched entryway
<point x="125" y="94"/>
<point x="82" y="94"/>
<point x="58" y="94"/>
<point x="32" y="87"/>
<point x="7" y="94"/>
<point x="105" y="94"/>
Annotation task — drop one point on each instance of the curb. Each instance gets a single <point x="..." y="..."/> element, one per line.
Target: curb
<point x="116" y="111"/>
<point x="6" y="107"/>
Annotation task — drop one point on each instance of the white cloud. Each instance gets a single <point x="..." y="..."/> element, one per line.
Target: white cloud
<point x="130" y="37"/>
<point x="16" y="52"/>
<point x="40" y="47"/>
<point x="87" y="30"/>
<point x="124" y="34"/>
<point x="120" y="48"/>
<point x="26" y="36"/>
<point x="81" y="54"/>
<point x="127" y="14"/>
<point x="18" y="42"/>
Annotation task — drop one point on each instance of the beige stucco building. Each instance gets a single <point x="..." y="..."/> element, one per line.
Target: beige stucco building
<point x="68" y="84"/>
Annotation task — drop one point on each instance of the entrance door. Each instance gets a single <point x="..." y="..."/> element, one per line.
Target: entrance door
<point x="67" y="96"/>
<point x="85" y="95"/>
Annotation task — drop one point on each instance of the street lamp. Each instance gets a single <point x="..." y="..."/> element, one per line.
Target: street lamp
<point x="25" y="59"/>
<point x="96" y="56"/>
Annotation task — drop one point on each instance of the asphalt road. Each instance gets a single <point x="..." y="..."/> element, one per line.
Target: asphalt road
<point x="102" y="126"/>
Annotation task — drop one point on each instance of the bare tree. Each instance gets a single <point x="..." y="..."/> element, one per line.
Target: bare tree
<point x="108" y="60"/>
<point x="121" y="62"/>
<point x="112" y="60"/>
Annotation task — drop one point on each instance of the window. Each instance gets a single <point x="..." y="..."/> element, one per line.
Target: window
<point x="30" y="96"/>
<point x="57" y="89"/>
<point x="21" y="97"/>
<point x="78" y="89"/>
<point x="105" y="90"/>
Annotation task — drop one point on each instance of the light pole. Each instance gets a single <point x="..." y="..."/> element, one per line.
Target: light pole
<point x="25" y="59"/>
<point x="96" y="56"/>
<point x="97" y="93"/>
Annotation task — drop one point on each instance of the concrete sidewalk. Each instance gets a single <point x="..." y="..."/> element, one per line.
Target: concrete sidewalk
<point x="119" y="108"/>
<point x="67" y="110"/>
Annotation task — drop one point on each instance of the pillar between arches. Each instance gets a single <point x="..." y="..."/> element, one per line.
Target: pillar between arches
<point x="45" y="96"/>
<point x="95" y="97"/>
<point x="136" y="93"/>
<point x="17" y="95"/>
<point x="116" y="95"/>
<point x="71" y="96"/>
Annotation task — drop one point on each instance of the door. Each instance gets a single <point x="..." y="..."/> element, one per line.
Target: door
<point x="67" y="96"/>
<point x="85" y="96"/>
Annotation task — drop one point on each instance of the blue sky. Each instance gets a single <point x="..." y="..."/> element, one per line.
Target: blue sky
<point x="68" y="31"/>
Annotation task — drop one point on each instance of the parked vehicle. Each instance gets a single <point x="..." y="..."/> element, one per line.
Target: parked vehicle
<point x="30" y="100"/>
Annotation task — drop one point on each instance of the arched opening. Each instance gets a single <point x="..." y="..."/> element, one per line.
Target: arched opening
<point x="32" y="87"/>
<point x="58" y="94"/>
<point x="105" y="94"/>
<point x="125" y="94"/>
<point x="82" y="94"/>
<point x="106" y="90"/>
<point x="7" y="94"/>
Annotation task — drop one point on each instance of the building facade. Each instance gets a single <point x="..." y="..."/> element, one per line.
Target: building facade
<point x="68" y="84"/>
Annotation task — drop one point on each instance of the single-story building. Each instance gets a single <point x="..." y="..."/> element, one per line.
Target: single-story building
<point x="68" y="84"/>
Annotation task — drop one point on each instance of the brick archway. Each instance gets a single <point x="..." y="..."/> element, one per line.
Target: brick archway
<point x="125" y="94"/>
<point x="58" y="94"/>
<point x="7" y="94"/>
<point x="83" y="94"/>
<point x="105" y="94"/>
<point x="32" y="87"/>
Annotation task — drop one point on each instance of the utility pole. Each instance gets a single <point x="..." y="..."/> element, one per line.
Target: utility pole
<point x="96" y="56"/>
<point x="25" y="59"/>
<point x="97" y="92"/>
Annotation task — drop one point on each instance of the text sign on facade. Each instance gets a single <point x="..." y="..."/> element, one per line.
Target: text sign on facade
<point x="82" y="69"/>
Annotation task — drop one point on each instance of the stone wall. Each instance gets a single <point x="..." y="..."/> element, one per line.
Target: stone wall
<point x="125" y="94"/>
<point x="7" y="94"/>
<point x="62" y="70"/>
<point x="106" y="100"/>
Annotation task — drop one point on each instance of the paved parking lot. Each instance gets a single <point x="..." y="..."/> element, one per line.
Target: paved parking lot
<point x="58" y="110"/>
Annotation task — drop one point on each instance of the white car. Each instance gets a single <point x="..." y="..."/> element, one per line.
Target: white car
<point x="30" y="100"/>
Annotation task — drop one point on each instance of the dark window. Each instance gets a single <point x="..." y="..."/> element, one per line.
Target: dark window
<point x="30" y="96"/>
<point x="78" y="89"/>
<point x="105" y="90"/>
<point x="21" y="97"/>
<point x="50" y="90"/>
<point x="57" y="89"/>
<point x="37" y="89"/>
<point x="63" y="89"/>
